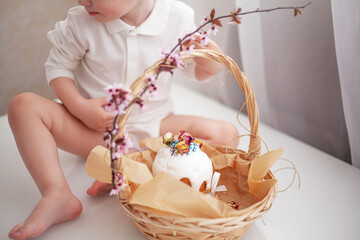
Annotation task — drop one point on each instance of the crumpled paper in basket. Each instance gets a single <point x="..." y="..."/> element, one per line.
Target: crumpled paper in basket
<point x="163" y="194"/>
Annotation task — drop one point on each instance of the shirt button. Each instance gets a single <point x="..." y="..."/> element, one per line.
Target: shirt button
<point x="132" y="33"/>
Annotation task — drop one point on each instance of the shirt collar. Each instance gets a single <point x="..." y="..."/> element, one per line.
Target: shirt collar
<point x="154" y="25"/>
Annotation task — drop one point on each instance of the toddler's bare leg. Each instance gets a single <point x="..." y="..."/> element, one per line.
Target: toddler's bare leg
<point x="209" y="130"/>
<point x="40" y="126"/>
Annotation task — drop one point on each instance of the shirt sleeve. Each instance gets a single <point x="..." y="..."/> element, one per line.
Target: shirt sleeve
<point x="68" y="49"/>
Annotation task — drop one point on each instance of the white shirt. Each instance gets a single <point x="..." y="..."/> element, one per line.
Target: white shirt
<point x="95" y="55"/>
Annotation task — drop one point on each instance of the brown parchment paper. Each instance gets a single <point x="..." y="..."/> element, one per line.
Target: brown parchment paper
<point x="163" y="194"/>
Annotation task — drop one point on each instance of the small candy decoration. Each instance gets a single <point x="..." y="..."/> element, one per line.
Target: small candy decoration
<point x="182" y="147"/>
<point x="184" y="144"/>
<point x="168" y="139"/>
<point x="185" y="136"/>
<point x="233" y="204"/>
<point x="183" y="159"/>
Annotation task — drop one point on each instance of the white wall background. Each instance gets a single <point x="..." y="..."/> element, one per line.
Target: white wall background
<point x="24" y="47"/>
<point x="227" y="39"/>
<point x="294" y="64"/>
<point x="293" y="67"/>
<point x="346" y="20"/>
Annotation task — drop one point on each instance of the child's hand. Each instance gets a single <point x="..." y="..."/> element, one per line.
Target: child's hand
<point x="94" y="116"/>
<point x="90" y="111"/>
<point x="205" y="68"/>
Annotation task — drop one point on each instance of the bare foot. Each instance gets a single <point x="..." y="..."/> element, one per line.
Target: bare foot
<point x="51" y="209"/>
<point x="98" y="188"/>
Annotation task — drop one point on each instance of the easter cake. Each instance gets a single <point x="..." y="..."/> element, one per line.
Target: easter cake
<point x="184" y="160"/>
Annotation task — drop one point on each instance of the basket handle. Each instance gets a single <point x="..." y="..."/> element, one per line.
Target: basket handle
<point x="251" y="105"/>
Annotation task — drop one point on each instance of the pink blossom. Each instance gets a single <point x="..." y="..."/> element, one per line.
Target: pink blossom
<point x="107" y="138"/>
<point x="110" y="106"/>
<point x="121" y="146"/>
<point x="115" y="130"/>
<point x="118" y="98"/>
<point x="204" y="39"/>
<point x="119" y="184"/>
<point x="116" y="90"/>
<point x="150" y="94"/>
<point x="205" y="19"/>
<point x="151" y="79"/>
<point x="213" y="30"/>
<point x="117" y="155"/>
<point x="176" y="60"/>
<point x="141" y="103"/>
<point x="190" y="49"/>
<point x="143" y="108"/>
<point x="164" y="53"/>
<point x="232" y="23"/>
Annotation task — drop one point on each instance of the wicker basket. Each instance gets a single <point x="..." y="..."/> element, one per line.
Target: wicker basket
<point x="156" y="226"/>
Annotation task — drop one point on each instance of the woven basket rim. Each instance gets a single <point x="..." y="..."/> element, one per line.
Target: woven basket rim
<point x="223" y="228"/>
<point x="251" y="105"/>
<point x="273" y="191"/>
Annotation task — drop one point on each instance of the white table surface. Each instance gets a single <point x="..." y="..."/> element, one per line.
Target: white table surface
<point x="326" y="206"/>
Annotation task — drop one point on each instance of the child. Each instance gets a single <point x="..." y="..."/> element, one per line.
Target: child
<point x="101" y="42"/>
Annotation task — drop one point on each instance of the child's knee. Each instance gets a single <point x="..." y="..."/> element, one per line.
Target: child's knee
<point x="225" y="133"/>
<point x="233" y="131"/>
<point x="229" y="132"/>
<point x="20" y="106"/>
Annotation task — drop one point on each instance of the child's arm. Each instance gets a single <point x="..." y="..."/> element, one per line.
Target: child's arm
<point x="205" y="68"/>
<point x="90" y="111"/>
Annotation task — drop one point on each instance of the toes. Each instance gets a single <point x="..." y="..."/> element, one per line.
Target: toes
<point x="15" y="230"/>
<point x="46" y="214"/>
<point x="98" y="188"/>
<point x="17" y="227"/>
<point x="20" y="232"/>
<point x="89" y="192"/>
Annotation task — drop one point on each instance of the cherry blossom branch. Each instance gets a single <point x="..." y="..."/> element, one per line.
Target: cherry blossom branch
<point x="120" y="98"/>
<point x="236" y="20"/>
<point x="214" y="21"/>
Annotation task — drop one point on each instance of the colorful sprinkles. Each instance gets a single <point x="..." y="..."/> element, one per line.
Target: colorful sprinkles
<point x="183" y="145"/>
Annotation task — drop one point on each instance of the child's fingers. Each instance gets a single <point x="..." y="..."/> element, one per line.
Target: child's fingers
<point x="195" y="38"/>
<point x="198" y="45"/>
<point x="109" y="117"/>
<point x="186" y="43"/>
<point x="213" y="46"/>
<point x="197" y="41"/>
<point x="102" y="101"/>
<point x="109" y="127"/>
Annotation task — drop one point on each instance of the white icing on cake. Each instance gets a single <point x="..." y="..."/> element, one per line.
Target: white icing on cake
<point x="196" y="166"/>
